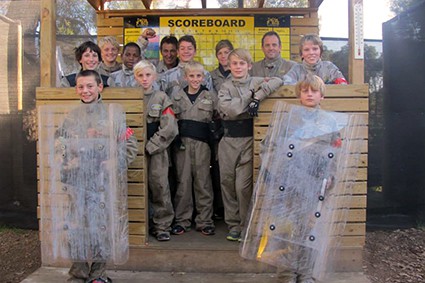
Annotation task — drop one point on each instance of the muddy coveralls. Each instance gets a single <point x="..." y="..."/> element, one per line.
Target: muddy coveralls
<point x="235" y="148"/>
<point x="162" y="68"/>
<point x="173" y="80"/>
<point x="192" y="156"/>
<point x="123" y="78"/>
<point x="161" y="130"/>
<point x="326" y="70"/>
<point x="82" y="271"/>
<point x="271" y="68"/>
<point x="219" y="76"/>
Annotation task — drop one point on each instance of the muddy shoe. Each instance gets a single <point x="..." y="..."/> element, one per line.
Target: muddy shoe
<point x="233" y="236"/>
<point x="178" y="230"/>
<point x="208" y="230"/>
<point x="163" y="236"/>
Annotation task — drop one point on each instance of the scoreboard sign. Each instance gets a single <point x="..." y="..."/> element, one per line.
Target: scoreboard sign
<point x="242" y="31"/>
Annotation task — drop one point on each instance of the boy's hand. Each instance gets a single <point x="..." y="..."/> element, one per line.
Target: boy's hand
<point x="253" y="107"/>
<point x="148" y="33"/>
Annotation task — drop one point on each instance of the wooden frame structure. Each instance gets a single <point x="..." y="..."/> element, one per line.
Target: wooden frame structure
<point x="352" y="98"/>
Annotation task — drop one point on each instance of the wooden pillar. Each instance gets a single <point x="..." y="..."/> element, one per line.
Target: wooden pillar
<point x="48" y="43"/>
<point x="356" y="42"/>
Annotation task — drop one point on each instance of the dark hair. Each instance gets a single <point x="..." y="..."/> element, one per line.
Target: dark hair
<point x="89" y="73"/>
<point x="169" y="39"/>
<point x="132" y="44"/>
<point x="83" y="48"/>
<point x="187" y="38"/>
<point x="222" y="44"/>
<point x="270" y="33"/>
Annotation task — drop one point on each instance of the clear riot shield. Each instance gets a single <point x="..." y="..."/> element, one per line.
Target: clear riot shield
<point x="83" y="183"/>
<point x="301" y="197"/>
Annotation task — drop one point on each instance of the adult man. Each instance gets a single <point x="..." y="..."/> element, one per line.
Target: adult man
<point x="168" y="49"/>
<point x="273" y="65"/>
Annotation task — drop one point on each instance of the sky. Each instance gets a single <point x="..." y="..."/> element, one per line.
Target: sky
<point x="333" y="16"/>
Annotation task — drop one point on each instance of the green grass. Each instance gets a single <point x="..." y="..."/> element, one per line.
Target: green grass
<point x="6" y="228"/>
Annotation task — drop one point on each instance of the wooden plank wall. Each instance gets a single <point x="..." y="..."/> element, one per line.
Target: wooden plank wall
<point x="112" y="25"/>
<point x="348" y="99"/>
<point x="132" y="101"/>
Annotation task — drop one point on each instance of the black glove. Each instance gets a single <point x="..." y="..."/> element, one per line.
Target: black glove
<point x="253" y="107"/>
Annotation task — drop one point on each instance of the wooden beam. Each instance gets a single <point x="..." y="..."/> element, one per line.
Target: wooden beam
<point x="261" y="3"/>
<point x="204" y="12"/>
<point x="147" y="4"/>
<point x="48" y="43"/>
<point x="315" y="3"/>
<point x="96" y="4"/>
<point x="355" y="41"/>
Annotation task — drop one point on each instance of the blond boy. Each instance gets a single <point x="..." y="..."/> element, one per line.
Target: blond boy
<point x="194" y="106"/>
<point x="238" y="102"/>
<point x="161" y="127"/>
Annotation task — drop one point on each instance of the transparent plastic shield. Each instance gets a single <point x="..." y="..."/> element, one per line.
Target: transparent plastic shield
<point x="302" y="193"/>
<point x="83" y="183"/>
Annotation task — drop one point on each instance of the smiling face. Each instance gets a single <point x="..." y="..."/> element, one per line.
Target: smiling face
<point x="169" y="54"/>
<point x="310" y="97"/>
<point x="310" y="52"/>
<point x="238" y="67"/>
<point x="109" y="53"/>
<point x="271" y="47"/>
<point x="186" y="51"/>
<point x="194" y="79"/>
<point x="87" y="89"/>
<point x="145" y="77"/>
<point x="89" y="60"/>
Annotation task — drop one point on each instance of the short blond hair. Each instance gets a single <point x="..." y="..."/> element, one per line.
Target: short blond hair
<point x="193" y="66"/>
<point x="143" y="64"/>
<point x="313" y="38"/>
<point x="242" y="54"/>
<point x="311" y="81"/>
<point x="109" y="39"/>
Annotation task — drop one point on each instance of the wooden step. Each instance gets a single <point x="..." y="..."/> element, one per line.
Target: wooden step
<point x="193" y="252"/>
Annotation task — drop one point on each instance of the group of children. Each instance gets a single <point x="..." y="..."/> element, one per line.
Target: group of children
<point x="180" y="105"/>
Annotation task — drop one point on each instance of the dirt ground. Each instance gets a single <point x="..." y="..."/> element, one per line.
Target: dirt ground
<point x="389" y="257"/>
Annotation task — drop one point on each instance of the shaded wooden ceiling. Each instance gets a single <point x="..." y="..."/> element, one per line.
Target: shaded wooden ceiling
<point x="99" y="4"/>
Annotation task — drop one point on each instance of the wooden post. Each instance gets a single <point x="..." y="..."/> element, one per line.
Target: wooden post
<point x="48" y="43"/>
<point x="356" y="42"/>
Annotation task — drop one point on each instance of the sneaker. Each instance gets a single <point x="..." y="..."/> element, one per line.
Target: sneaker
<point x="163" y="236"/>
<point x="208" y="230"/>
<point x="178" y="230"/>
<point x="233" y="236"/>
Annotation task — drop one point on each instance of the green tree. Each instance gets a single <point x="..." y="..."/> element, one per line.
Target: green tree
<point x="373" y="64"/>
<point x="398" y="6"/>
<point x="75" y="17"/>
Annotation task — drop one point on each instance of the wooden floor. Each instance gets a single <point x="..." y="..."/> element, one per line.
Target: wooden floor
<point x="196" y="240"/>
